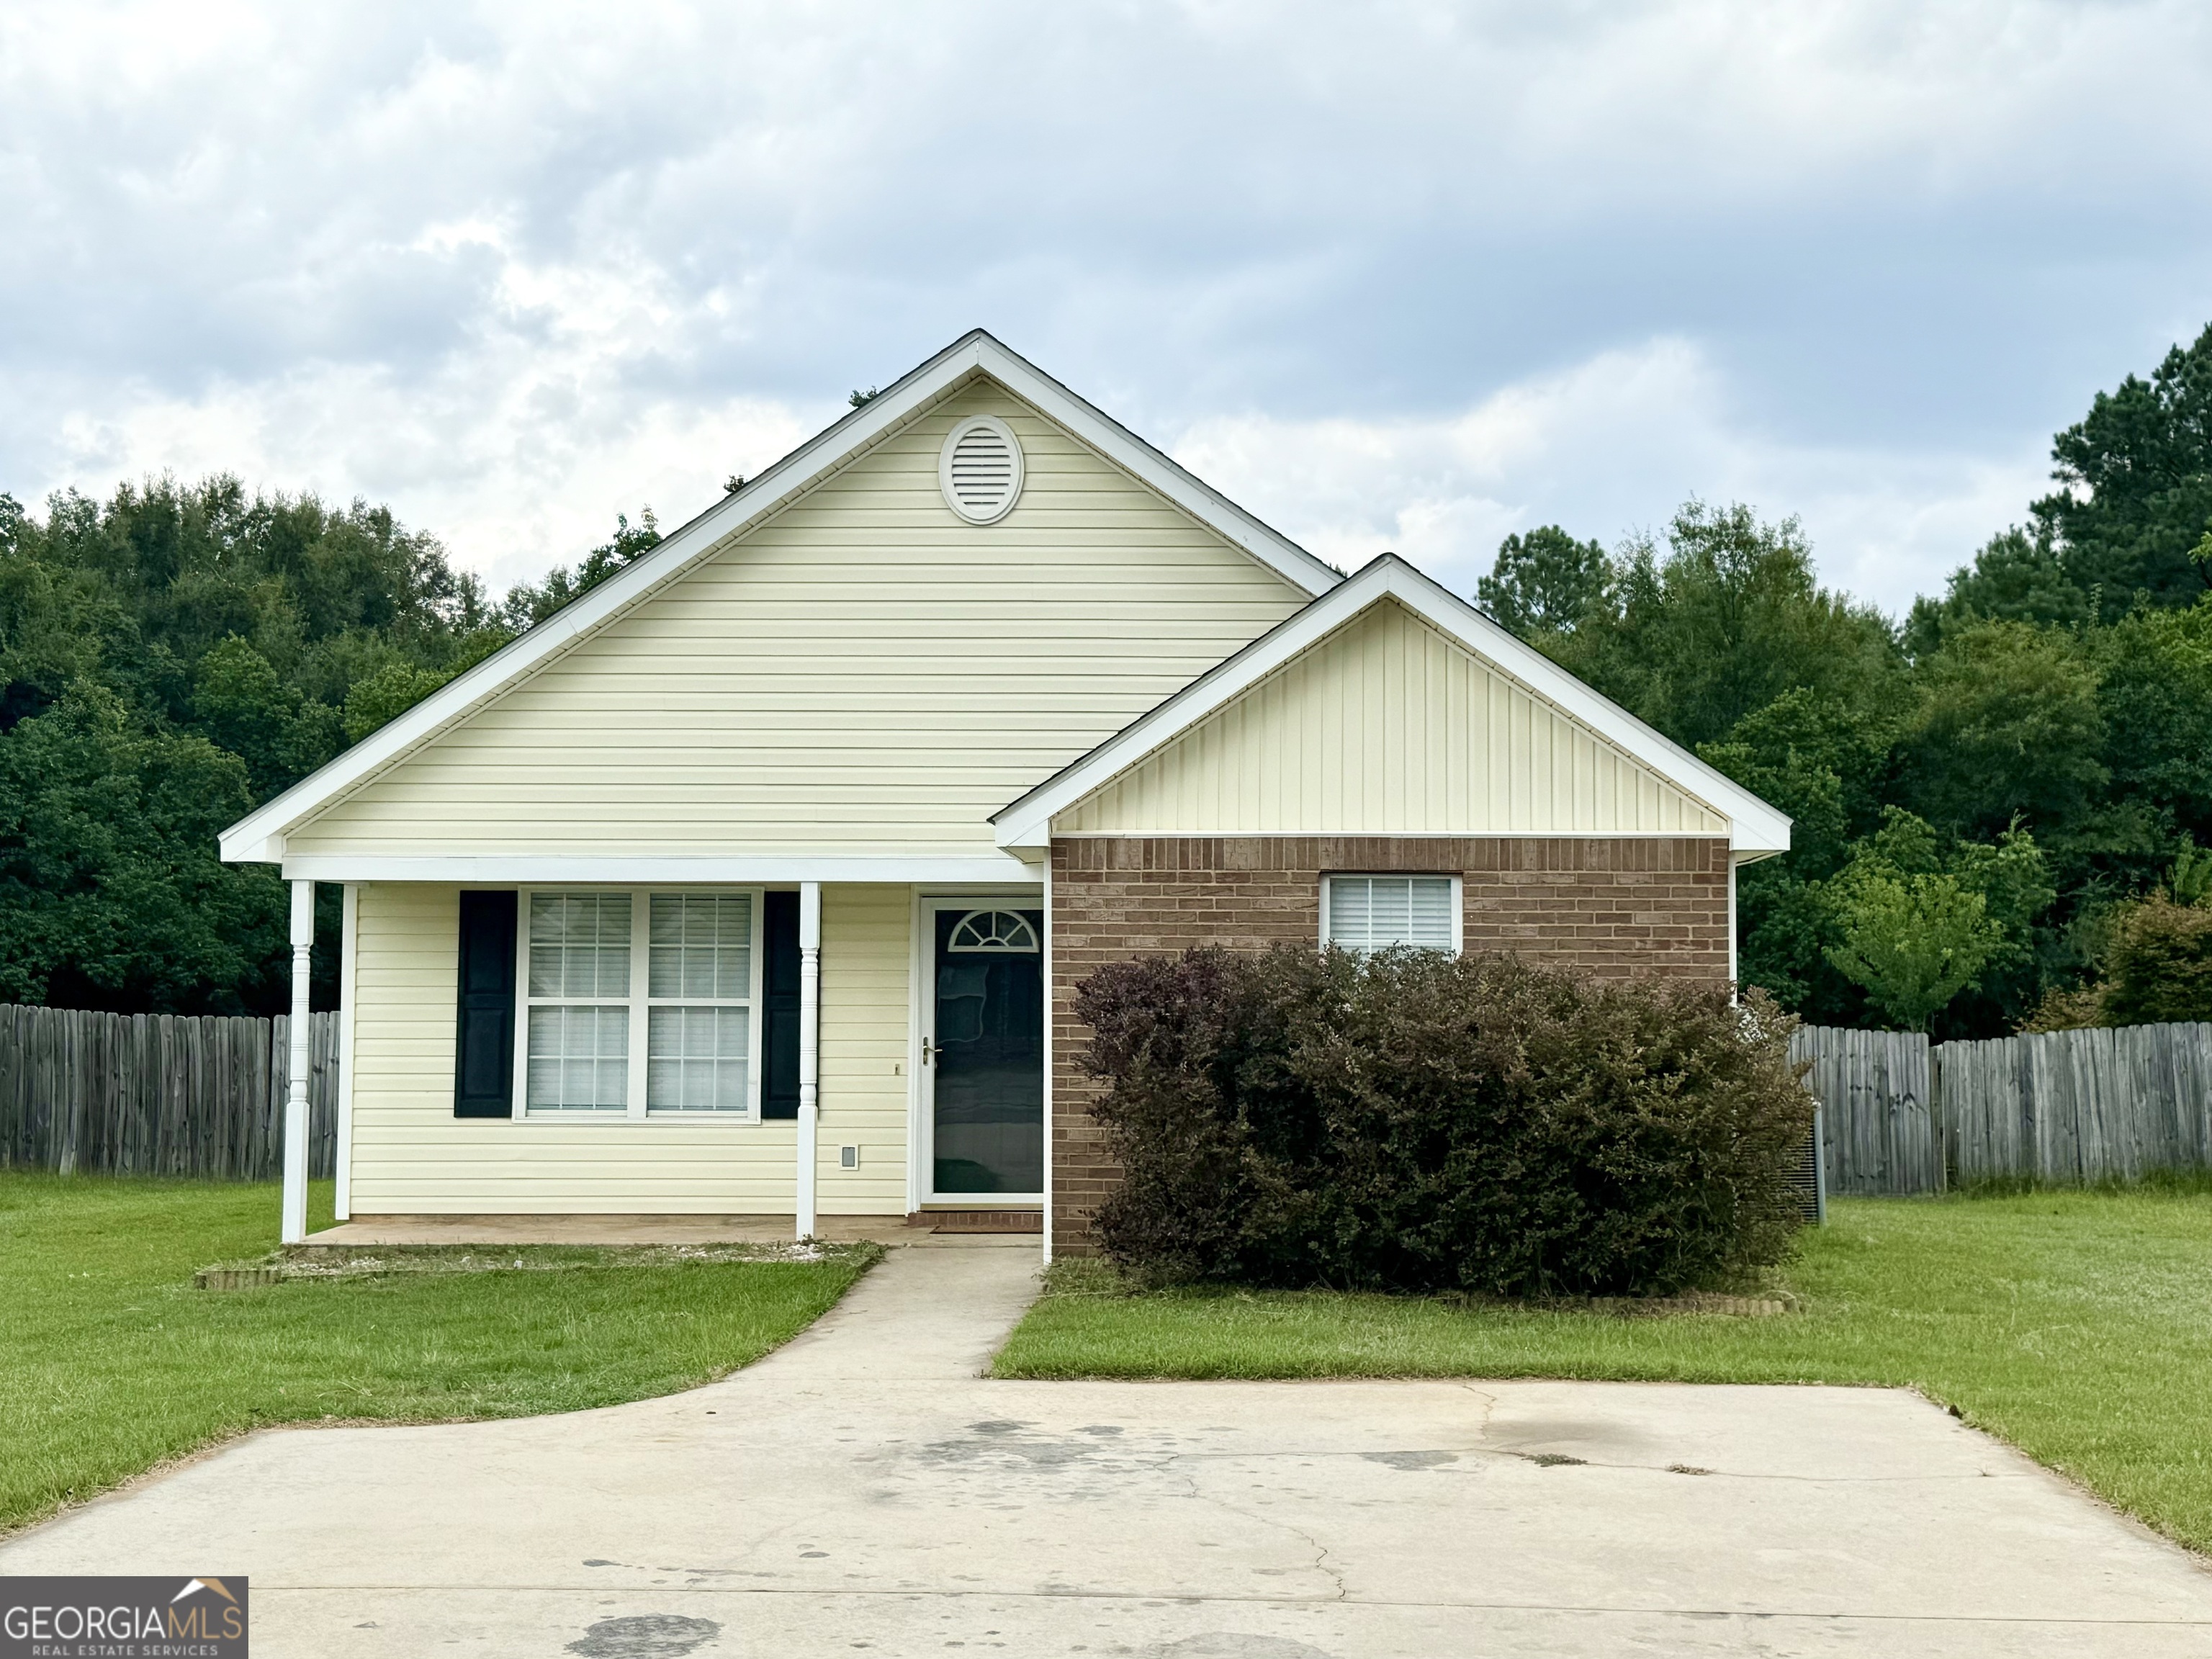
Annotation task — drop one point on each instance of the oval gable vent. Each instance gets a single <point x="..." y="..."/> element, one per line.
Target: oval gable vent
<point x="980" y="470"/>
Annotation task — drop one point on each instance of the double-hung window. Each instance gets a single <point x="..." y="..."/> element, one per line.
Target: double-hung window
<point x="1374" y="913"/>
<point x="576" y="967"/>
<point x="700" y="1002"/>
<point x="640" y="1004"/>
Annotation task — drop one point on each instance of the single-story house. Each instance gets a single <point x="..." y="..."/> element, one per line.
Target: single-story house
<point x="760" y="879"/>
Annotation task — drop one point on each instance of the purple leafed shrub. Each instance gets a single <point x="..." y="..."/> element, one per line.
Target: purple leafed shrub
<point x="1415" y="1121"/>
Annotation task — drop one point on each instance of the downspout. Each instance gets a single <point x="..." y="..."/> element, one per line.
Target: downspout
<point x="294" y="1227"/>
<point x="1736" y="991"/>
<point x="810" y="1028"/>
<point x="1047" y="1054"/>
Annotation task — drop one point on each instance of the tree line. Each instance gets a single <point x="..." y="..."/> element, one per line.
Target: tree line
<point x="2000" y="798"/>
<point x="172" y="657"/>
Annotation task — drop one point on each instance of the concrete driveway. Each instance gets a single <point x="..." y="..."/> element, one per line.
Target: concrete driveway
<point x="863" y="1490"/>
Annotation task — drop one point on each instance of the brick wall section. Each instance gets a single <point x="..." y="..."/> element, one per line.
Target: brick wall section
<point x="1609" y="905"/>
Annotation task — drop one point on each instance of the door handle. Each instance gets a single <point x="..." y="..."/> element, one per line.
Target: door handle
<point x="926" y="1050"/>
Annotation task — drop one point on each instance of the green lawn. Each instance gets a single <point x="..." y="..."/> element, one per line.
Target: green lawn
<point x="2076" y="1325"/>
<point x="111" y="1363"/>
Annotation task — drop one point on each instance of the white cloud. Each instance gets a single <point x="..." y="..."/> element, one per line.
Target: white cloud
<point x="1607" y="448"/>
<point x="513" y="267"/>
<point x="513" y="477"/>
<point x="519" y="449"/>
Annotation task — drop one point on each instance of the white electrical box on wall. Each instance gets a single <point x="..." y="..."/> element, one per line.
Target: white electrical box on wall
<point x="848" y="1158"/>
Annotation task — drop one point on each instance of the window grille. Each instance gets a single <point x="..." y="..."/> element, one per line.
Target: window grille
<point x="1374" y="913"/>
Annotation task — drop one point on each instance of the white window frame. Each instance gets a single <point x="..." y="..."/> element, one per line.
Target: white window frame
<point x="1458" y="898"/>
<point x="640" y="1004"/>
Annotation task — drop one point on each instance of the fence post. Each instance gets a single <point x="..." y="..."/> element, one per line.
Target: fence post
<point x="1939" y="1107"/>
<point x="69" y="1089"/>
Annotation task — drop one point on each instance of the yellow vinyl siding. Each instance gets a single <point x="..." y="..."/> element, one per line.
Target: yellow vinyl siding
<point x="412" y="1156"/>
<point x="1387" y="727"/>
<point x="863" y="674"/>
<point x="867" y="942"/>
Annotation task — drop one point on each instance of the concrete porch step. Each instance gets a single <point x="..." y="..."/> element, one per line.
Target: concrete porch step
<point x="979" y="1221"/>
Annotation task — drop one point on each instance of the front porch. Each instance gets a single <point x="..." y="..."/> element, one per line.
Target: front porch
<point x="648" y="1061"/>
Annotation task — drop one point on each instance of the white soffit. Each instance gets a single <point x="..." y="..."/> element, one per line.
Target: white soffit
<point x="257" y="838"/>
<point x="1756" y="829"/>
<point x="497" y="869"/>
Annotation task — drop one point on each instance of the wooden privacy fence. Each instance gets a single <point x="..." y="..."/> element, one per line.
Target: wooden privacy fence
<point x="160" y="1094"/>
<point x="1877" y="1113"/>
<point x="1901" y="1115"/>
<point x="2079" y="1105"/>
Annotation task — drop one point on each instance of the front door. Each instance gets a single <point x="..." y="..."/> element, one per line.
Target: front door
<point x="984" y="1053"/>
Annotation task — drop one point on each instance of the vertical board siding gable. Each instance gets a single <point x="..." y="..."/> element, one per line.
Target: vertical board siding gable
<point x="1387" y="727"/>
<point x="865" y="672"/>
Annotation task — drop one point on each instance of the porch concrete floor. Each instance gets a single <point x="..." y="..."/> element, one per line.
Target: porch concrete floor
<point x="865" y="1489"/>
<point x="610" y="1230"/>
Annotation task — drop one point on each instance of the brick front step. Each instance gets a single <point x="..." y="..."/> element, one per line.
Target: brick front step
<point x="978" y="1221"/>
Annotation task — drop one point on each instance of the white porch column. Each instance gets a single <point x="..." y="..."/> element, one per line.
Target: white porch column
<point x="295" y="1070"/>
<point x="809" y="1031"/>
<point x="348" y="964"/>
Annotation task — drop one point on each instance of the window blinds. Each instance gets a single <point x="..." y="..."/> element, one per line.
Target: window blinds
<point x="1373" y="913"/>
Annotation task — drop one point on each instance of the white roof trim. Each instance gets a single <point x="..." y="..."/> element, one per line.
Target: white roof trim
<point x="1755" y="827"/>
<point x="258" y="837"/>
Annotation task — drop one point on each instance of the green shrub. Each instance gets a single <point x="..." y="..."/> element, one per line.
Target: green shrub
<point x="1415" y="1121"/>
<point x="2158" y="964"/>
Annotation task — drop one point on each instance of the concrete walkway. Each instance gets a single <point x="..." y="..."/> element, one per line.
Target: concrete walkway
<point x="863" y="1490"/>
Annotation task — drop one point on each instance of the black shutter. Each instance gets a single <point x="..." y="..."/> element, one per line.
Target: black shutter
<point x="484" y="1049"/>
<point x="780" y="1005"/>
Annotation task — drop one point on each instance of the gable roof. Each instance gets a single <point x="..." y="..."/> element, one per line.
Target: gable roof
<point x="259" y="836"/>
<point x="1756" y="829"/>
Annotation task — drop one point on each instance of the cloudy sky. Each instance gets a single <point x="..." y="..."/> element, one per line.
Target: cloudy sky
<point x="1402" y="277"/>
